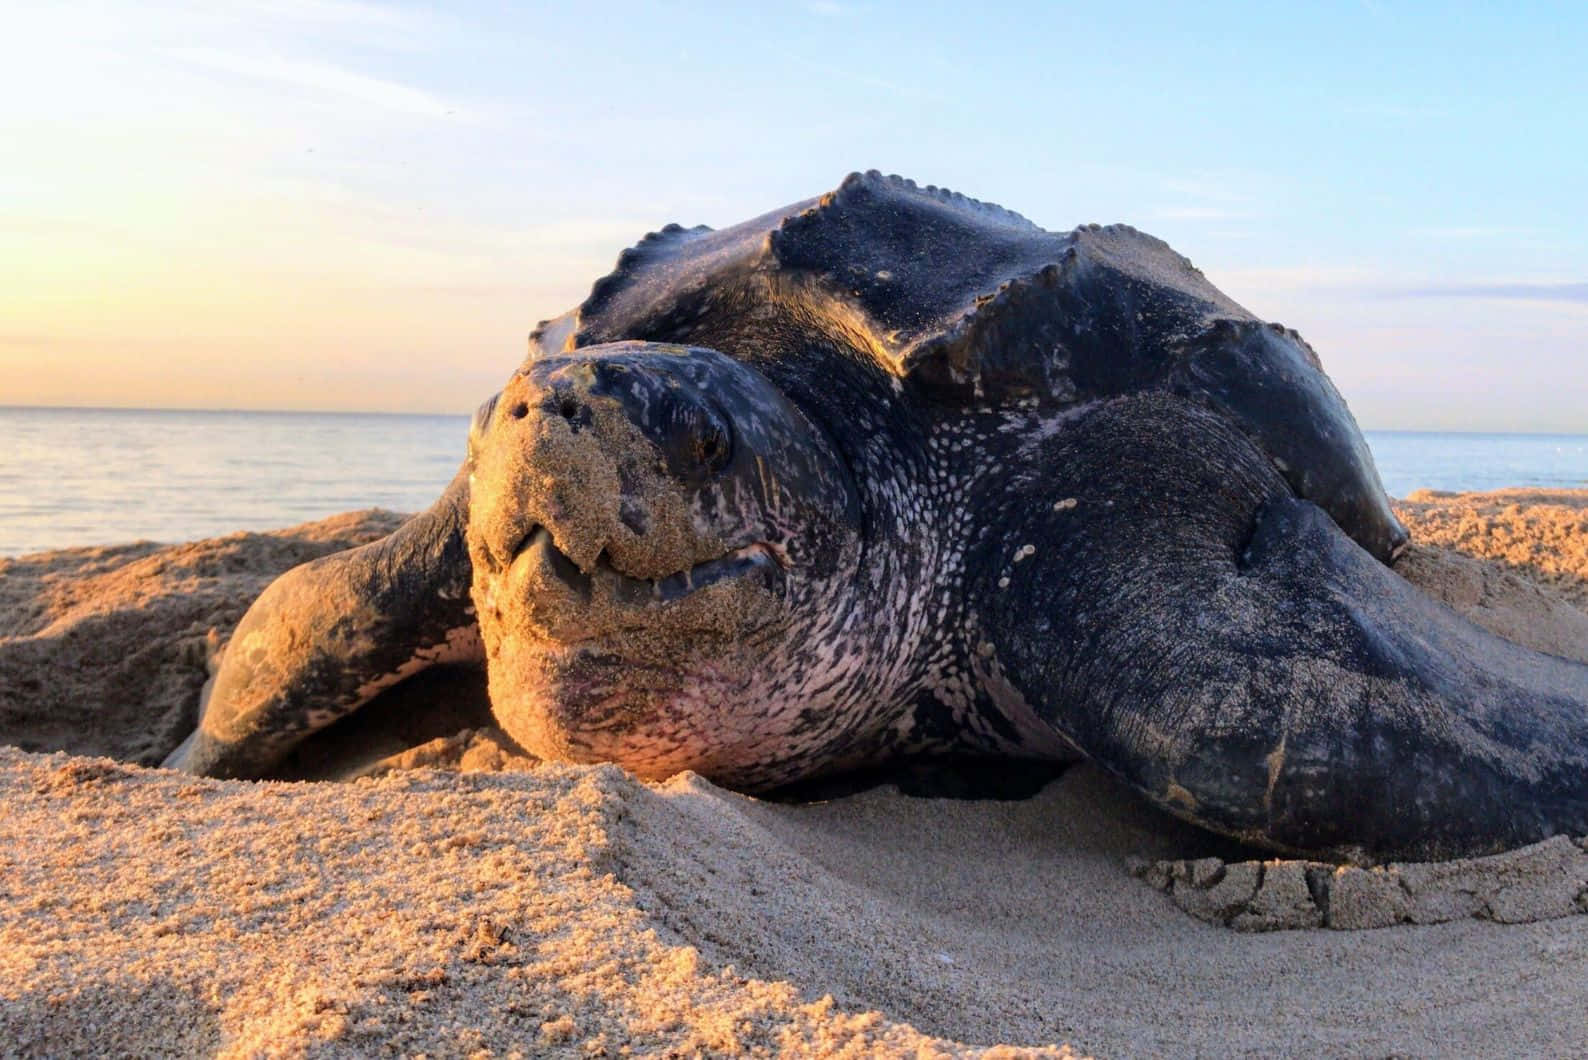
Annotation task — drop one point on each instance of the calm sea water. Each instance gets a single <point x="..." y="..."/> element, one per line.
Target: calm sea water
<point x="102" y="476"/>
<point x="96" y="476"/>
<point x="1409" y="460"/>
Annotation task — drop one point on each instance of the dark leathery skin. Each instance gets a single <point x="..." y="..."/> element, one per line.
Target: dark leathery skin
<point x="326" y="637"/>
<point x="1245" y="665"/>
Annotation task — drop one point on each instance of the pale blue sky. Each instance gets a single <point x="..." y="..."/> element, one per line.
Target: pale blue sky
<point x="332" y="204"/>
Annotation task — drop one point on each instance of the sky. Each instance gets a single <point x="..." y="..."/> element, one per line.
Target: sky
<point x="341" y="204"/>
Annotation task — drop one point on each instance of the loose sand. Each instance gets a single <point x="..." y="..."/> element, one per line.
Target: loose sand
<point x="558" y="910"/>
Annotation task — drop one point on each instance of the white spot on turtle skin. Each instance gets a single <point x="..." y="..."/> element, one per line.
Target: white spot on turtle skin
<point x="1003" y="583"/>
<point x="884" y="275"/>
<point x="1065" y="505"/>
<point x="1281" y="465"/>
<point x="1023" y="551"/>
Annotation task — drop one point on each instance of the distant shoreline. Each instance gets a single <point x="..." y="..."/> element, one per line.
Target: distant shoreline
<point x="466" y="413"/>
<point x="138" y="409"/>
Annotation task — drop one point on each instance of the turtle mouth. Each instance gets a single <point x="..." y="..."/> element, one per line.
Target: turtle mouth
<point x="760" y="561"/>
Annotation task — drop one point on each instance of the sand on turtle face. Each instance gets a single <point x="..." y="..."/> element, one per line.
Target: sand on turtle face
<point x="575" y="911"/>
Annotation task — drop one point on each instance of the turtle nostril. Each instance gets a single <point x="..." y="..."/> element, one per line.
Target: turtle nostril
<point x="634" y="516"/>
<point x="520" y="410"/>
<point x="568" y="409"/>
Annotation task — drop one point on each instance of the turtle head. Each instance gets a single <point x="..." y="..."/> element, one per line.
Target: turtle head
<point x="657" y="533"/>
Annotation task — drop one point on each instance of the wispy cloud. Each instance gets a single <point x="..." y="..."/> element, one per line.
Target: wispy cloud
<point x="1376" y="283"/>
<point x="826" y="8"/>
<point x="334" y="12"/>
<point x="1209" y="196"/>
<point x="1196" y="213"/>
<point x="1293" y="278"/>
<point x="323" y="78"/>
<point x="1228" y="188"/>
<point x="364" y="24"/>
<point x="1527" y="292"/>
<point x="1470" y="232"/>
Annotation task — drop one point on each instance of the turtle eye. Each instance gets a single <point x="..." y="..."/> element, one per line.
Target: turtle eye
<point x="712" y="444"/>
<point x="698" y="439"/>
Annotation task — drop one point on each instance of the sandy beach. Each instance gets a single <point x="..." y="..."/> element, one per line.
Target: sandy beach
<point x="452" y="897"/>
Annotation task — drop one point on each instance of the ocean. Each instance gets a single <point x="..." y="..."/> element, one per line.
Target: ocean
<point x="106" y="476"/>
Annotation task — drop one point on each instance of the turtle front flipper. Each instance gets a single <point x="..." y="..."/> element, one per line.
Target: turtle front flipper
<point x="326" y="637"/>
<point x="1222" y="646"/>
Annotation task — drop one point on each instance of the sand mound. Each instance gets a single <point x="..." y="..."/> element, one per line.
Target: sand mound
<point x="1542" y="534"/>
<point x="430" y="913"/>
<point x="575" y="911"/>
<point x="103" y="651"/>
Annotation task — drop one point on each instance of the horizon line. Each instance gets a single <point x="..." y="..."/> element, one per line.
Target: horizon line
<point x="215" y="410"/>
<point x="15" y="407"/>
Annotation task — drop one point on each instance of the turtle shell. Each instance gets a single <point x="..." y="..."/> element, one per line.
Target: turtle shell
<point x="973" y="305"/>
<point x="960" y="294"/>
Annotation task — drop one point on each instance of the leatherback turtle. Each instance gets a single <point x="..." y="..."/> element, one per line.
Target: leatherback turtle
<point x="895" y="472"/>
